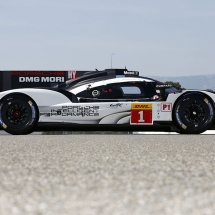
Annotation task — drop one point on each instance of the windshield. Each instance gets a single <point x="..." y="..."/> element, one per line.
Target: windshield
<point x="171" y="90"/>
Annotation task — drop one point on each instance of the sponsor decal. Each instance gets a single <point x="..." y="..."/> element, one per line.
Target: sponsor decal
<point x="141" y="114"/>
<point x="72" y="74"/>
<point x="1" y="122"/>
<point x="33" y="112"/>
<point x="141" y="106"/>
<point x="45" y="114"/>
<point x="32" y="109"/>
<point x="75" y="111"/>
<point x="210" y="107"/>
<point x="116" y="105"/>
<point x="179" y="121"/>
<point x="42" y="79"/>
<point x="135" y="73"/>
<point x="31" y="122"/>
<point x="163" y="85"/>
<point x="95" y="93"/>
<point x="178" y="108"/>
<point x="37" y="73"/>
<point x="166" y="107"/>
<point x="38" y="76"/>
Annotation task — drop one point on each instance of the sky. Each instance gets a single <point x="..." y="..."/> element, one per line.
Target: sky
<point x="154" y="37"/>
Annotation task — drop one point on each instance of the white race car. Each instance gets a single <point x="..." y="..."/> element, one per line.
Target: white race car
<point x="112" y="99"/>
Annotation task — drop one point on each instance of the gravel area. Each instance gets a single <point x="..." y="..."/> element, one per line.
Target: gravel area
<point x="107" y="174"/>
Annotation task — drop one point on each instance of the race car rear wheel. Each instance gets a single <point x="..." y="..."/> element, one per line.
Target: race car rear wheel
<point x="18" y="114"/>
<point x="193" y="113"/>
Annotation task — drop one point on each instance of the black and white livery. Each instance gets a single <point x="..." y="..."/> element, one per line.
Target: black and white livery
<point x="112" y="99"/>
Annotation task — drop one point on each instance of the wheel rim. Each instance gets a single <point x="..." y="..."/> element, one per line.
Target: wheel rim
<point x="195" y="113"/>
<point x="17" y="114"/>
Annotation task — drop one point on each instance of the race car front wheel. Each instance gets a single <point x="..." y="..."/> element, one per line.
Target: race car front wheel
<point x="18" y="114"/>
<point x="193" y="113"/>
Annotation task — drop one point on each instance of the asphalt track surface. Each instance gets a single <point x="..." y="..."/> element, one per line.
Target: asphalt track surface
<point x="107" y="174"/>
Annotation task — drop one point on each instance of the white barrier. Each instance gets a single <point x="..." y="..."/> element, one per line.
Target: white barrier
<point x="149" y="132"/>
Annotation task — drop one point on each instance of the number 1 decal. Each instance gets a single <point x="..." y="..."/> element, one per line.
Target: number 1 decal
<point x="141" y="114"/>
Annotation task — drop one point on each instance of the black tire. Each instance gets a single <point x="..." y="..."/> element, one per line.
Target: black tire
<point x="193" y="113"/>
<point x="18" y="114"/>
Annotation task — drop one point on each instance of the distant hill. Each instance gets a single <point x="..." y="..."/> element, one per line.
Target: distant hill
<point x="201" y="82"/>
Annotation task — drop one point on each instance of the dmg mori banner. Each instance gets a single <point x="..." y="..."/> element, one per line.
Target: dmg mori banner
<point x="30" y="79"/>
<point x="37" y="78"/>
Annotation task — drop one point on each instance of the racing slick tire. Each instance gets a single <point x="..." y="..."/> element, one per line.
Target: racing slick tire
<point x="193" y="113"/>
<point x="18" y="114"/>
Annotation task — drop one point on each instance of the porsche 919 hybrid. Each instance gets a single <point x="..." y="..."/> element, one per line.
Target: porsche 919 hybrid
<point x="111" y="100"/>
